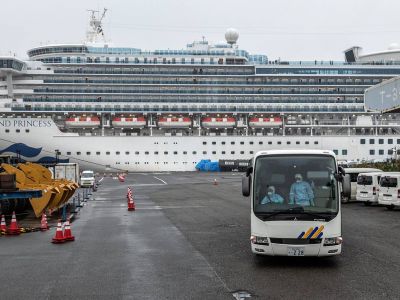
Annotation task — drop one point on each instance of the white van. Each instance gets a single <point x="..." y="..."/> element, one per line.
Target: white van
<point x="389" y="190"/>
<point x="353" y="172"/>
<point x="368" y="187"/>
<point x="87" y="178"/>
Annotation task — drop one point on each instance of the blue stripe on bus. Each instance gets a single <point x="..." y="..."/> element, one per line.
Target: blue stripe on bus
<point x="301" y="235"/>
<point x="312" y="232"/>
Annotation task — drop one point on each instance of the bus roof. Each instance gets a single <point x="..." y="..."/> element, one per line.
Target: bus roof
<point x="361" y="170"/>
<point x="294" y="152"/>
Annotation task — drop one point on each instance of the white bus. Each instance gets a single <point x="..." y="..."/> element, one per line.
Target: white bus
<point x="295" y="202"/>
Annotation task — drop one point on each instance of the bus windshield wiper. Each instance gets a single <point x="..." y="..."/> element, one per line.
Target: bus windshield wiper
<point x="295" y="210"/>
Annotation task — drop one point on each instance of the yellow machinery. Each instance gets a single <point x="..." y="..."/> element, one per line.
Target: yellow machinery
<point x="49" y="192"/>
<point x="35" y="177"/>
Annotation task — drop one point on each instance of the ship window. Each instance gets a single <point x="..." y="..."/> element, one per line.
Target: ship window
<point x="222" y="143"/>
<point x="315" y="142"/>
<point x="232" y="143"/>
<point x="26" y="130"/>
<point x="279" y="143"/>
<point x="98" y="153"/>
<point x="117" y="152"/>
<point x="68" y="153"/>
<point x="251" y="152"/>
<point x="307" y="142"/>
<point x="156" y="152"/>
<point x="398" y="141"/>
<point x="137" y="152"/>
<point x="223" y="152"/>
<point x="260" y="143"/>
<point x="146" y="153"/>
<point x="381" y="152"/>
<point x="381" y="141"/>
<point x="175" y="152"/>
<point x="87" y="153"/>
<point x="288" y="142"/>
<point x="232" y="152"/>
<point x="241" y="143"/>
<point x="214" y="152"/>
<point x="184" y="152"/>
<point x="269" y="143"/>
<point x="204" y="143"/>
<point x="241" y="152"/>
<point x="251" y="142"/>
<point x="108" y="153"/>
<point x="297" y="142"/>
<point x="7" y="130"/>
<point x="372" y="152"/>
<point x="371" y="141"/>
<point x="336" y="152"/>
<point x="390" y="141"/>
<point x="17" y="130"/>
<point x="194" y="152"/>
<point x="127" y="152"/>
<point x="204" y="152"/>
<point x="344" y="152"/>
<point x="78" y="153"/>
<point x="214" y="143"/>
<point x="362" y="141"/>
<point x="166" y="152"/>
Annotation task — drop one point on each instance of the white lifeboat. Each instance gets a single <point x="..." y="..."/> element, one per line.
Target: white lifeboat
<point x="218" y="122"/>
<point x="129" y="122"/>
<point x="265" y="122"/>
<point x="82" y="122"/>
<point x="174" y="122"/>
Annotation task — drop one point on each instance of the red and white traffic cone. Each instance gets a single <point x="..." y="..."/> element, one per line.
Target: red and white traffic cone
<point x="131" y="204"/>
<point x="43" y="223"/>
<point x="3" y="225"/>
<point x="59" y="236"/>
<point x="121" y="178"/>
<point x="68" y="232"/>
<point x="13" y="229"/>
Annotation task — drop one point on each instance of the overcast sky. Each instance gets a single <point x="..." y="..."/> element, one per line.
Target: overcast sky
<point x="286" y="29"/>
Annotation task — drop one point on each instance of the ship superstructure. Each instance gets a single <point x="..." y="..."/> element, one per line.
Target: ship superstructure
<point x="125" y="108"/>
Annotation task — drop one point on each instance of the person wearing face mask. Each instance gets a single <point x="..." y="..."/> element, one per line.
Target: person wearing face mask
<point x="301" y="192"/>
<point x="272" y="197"/>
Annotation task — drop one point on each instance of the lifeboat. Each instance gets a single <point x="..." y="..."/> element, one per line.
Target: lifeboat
<point x="265" y="122"/>
<point x="218" y="122"/>
<point x="82" y="122"/>
<point x="129" y="122"/>
<point x="174" y="122"/>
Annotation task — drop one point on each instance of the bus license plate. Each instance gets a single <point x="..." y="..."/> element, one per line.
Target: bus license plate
<point x="295" y="251"/>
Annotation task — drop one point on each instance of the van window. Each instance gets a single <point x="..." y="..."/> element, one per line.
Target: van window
<point x="364" y="180"/>
<point x="388" y="182"/>
<point x="353" y="177"/>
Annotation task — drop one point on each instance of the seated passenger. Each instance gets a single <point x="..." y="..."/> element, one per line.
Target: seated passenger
<point x="272" y="197"/>
<point x="301" y="192"/>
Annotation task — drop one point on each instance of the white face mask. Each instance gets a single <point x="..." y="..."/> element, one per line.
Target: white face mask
<point x="298" y="179"/>
<point x="269" y="193"/>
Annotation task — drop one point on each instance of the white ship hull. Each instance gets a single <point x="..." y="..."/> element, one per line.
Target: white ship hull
<point x="41" y="138"/>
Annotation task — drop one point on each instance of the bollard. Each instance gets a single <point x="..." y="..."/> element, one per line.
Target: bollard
<point x="79" y="200"/>
<point x="64" y="213"/>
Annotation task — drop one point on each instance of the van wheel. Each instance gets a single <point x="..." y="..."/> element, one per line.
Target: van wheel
<point x="390" y="207"/>
<point x="367" y="203"/>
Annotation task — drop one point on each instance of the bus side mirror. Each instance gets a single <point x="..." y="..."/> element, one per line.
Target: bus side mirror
<point x="346" y="185"/>
<point x="246" y="182"/>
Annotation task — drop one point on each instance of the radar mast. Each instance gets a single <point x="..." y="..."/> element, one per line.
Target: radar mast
<point x="95" y="31"/>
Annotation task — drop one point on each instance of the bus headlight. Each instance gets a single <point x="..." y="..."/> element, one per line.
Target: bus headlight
<point x="259" y="240"/>
<point x="333" y="241"/>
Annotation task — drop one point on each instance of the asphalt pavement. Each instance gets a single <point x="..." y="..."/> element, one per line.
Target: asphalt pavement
<point x="189" y="239"/>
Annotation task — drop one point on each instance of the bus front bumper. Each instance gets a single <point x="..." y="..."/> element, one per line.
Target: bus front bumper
<point x="296" y="250"/>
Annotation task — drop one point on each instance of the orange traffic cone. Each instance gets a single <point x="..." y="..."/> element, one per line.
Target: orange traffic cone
<point x="131" y="204"/>
<point x="59" y="236"/>
<point x="13" y="229"/>
<point x="215" y="181"/>
<point x="3" y="225"/>
<point x="43" y="223"/>
<point x="68" y="233"/>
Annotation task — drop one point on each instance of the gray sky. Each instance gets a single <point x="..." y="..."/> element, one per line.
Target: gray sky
<point x="289" y="29"/>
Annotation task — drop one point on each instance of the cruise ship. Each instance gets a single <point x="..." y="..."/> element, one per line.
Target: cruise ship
<point x="114" y="108"/>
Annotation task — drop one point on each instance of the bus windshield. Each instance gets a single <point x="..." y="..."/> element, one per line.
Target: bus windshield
<point x="295" y="184"/>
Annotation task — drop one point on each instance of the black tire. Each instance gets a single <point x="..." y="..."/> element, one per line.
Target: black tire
<point x="390" y="207"/>
<point x="367" y="203"/>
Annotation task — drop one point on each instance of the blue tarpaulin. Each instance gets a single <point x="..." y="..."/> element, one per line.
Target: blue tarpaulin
<point x="207" y="165"/>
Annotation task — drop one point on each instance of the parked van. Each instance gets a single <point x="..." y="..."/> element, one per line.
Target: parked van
<point x="368" y="187"/>
<point x="87" y="178"/>
<point x="353" y="172"/>
<point x="389" y="190"/>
